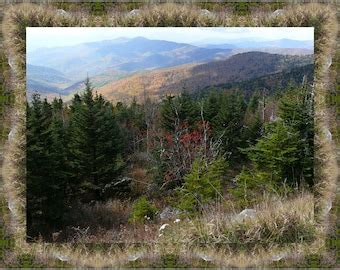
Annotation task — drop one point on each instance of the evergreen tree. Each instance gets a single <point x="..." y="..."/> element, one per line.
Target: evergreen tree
<point x="94" y="144"/>
<point x="296" y="110"/>
<point x="228" y="123"/>
<point x="202" y="184"/>
<point x="212" y="105"/>
<point x="58" y="160"/>
<point x="45" y="201"/>
<point x="179" y="112"/>
<point x="169" y="113"/>
<point x="278" y="153"/>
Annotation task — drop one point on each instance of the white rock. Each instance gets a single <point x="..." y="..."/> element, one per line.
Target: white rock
<point x="278" y="257"/>
<point x="12" y="133"/>
<point x="245" y="214"/>
<point x="62" y="12"/>
<point x="205" y="257"/>
<point x="328" y="134"/>
<point x="277" y="12"/>
<point x="134" y="12"/>
<point x="163" y="227"/>
<point x="329" y="63"/>
<point x="62" y="258"/>
<point x="10" y="63"/>
<point x="10" y="206"/>
<point x="134" y="257"/>
<point x="205" y="12"/>
<point x="177" y="220"/>
<point x="328" y="206"/>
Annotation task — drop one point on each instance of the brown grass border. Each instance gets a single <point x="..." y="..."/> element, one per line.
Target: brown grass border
<point x="17" y="17"/>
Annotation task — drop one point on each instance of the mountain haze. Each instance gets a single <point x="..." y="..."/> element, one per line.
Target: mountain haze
<point x="122" y="54"/>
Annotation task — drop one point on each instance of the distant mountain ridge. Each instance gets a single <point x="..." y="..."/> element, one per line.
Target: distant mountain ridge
<point x="125" y="54"/>
<point x="45" y="80"/>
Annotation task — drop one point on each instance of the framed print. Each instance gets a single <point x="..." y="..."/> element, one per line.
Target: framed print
<point x="169" y="135"/>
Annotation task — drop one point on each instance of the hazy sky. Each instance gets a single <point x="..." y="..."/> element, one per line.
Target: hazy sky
<point x="39" y="37"/>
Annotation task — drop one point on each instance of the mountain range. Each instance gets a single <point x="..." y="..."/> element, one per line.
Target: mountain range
<point x="123" y="67"/>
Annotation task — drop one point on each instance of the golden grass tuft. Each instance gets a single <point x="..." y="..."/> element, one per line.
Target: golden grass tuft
<point x="322" y="17"/>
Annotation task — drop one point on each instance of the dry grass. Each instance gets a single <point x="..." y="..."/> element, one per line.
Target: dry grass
<point x="278" y="221"/>
<point x="13" y="169"/>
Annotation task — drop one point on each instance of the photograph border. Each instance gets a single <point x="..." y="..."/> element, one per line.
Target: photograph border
<point x="19" y="16"/>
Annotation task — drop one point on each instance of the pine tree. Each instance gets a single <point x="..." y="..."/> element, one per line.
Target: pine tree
<point x="212" y="105"/>
<point x="189" y="111"/>
<point x="277" y="152"/>
<point x="58" y="159"/>
<point x="81" y="141"/>
<point x="202" y="184"/>
<point x="178" y="112"/>
<point x="95" y="145"/>
<point x="169" y="113"/>
<point x="296" y="110"/>
<point x="228" y="123"/>
<point x="109" y="150"/>
<point x="44" y="201"/>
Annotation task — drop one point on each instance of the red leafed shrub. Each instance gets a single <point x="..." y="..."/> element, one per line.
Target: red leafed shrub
<point x="182" y="147"/>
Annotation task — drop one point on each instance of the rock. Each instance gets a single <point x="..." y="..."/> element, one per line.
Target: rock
<point x="205" y="12"/>
<point x="246" y="214"/>
<point x="279" y="257"/>
<point x="11" y="134"/>
<point x="169" y="213"/>
<point x="61" y="257"/>
<point x="329" y="63"/>
<point x="277" y="12"/>
<point x="328" y="134"/>
<point x="11" y="206"/>
<point x="204" y="257"/>
<point x="328" y="206"/>
<point x="163" y="226"/>
<point x="134" y="257"/>
<point x="134" y="12"/>
<point x="62" y="12"/>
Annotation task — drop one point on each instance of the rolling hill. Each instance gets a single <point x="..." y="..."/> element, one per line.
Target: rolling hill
<point x="45" y="80"/>
<point x="195" y="77"/>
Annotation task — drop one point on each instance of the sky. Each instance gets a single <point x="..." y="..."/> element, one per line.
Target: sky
<point x="46" y="37"/>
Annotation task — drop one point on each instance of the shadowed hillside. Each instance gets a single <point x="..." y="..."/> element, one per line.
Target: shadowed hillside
<point x="240" y="67"/>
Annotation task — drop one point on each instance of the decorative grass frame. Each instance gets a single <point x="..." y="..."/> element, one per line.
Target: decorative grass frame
<point x="17" y="17"/>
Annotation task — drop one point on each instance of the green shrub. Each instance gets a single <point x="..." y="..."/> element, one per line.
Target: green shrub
<point x="201" y="185"/>
<point x="252" y="184"/>
<point x="142" y="210"/>
<point x="249" y="186"/>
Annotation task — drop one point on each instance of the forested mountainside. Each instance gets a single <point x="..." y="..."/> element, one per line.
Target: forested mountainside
<point x="272" y="83"/>
<point x="193" y="78"/>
